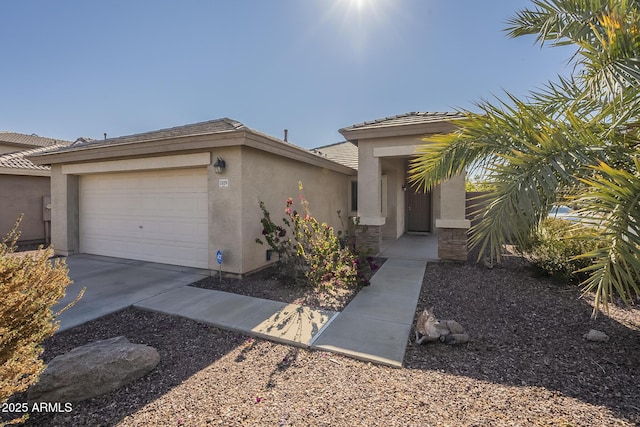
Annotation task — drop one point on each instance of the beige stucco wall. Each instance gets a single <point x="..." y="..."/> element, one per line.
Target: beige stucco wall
<point x="273" y="179"/>
<point x="394" y="170"/>
<point x="23" y="194"/>
<point x="452" y="203"/>
<point x="64" y="212"/>
<point x="226" y="210"/>
<point x="369" y="195"/>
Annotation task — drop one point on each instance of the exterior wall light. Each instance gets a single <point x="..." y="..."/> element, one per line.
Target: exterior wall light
<point x="219" y="165"/>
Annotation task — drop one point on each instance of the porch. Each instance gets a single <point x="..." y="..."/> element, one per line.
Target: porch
<point x="422" y="246"/>
<point x="388" y="204"/>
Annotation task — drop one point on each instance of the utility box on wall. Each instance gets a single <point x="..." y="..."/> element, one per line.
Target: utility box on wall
<point x="46" y="208"/>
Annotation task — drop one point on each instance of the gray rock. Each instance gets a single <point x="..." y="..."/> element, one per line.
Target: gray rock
<point x="92" y="370"/>
<point x="596" y="336"/>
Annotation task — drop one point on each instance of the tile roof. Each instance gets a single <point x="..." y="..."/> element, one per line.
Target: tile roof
<point x="345" y="153"/>
<point x="211" y="126"/>
<point x="217" y="126"/>
<point x="25" y="141"/>
<point x="406" y="119"/>
<point x="18" y="160"/>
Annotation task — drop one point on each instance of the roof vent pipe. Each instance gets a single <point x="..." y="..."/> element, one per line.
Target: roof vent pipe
<point x="286" y="135"/>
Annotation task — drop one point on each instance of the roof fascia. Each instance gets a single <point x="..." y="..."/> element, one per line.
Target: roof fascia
<point x="24" y="171"/>
<point x="399" y="130"/>
<point x="141" y="148"/>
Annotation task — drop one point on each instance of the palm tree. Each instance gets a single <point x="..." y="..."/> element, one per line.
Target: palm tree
<point x="574" y="142"/>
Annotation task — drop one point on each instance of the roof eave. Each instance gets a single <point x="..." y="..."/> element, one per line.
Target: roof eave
<point x="167" y="145"/>
<point x="24" y="171"/>
<point x="372" y="132"/>
<point x="191" y="143"/>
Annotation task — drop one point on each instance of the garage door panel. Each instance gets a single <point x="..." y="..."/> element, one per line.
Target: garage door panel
<point x="159" y="216"/>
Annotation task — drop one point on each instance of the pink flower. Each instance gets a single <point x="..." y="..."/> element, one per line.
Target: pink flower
<point x="289" y="201"/>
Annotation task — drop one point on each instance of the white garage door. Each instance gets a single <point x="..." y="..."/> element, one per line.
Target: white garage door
<point x="159" y="216"/>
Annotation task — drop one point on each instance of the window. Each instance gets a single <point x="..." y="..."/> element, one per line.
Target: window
<point x="354" y="196"/>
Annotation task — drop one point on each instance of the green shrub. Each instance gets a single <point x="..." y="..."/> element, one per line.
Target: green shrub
<point x="310" y="252"/>
<point x="30" y="284"/>
<point x="348" y="236"/>
<point x="554" y="249"/>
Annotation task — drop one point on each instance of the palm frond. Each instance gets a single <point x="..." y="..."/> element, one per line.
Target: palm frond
<point x="613" y="206"/>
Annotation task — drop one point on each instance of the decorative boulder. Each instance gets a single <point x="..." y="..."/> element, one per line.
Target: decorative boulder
<point x="92" y="370"/>
<point x="597" y="336"/>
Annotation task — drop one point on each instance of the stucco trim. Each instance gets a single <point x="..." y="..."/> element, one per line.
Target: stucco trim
<point x="373" y="220"/>
<point x="453" y="223"/>
<point x="146" y="163"/>
<point x="24" y="171"/>
<point x="395" y="151"/>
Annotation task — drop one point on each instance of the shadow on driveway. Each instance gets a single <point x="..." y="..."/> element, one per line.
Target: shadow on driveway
<point x="114" y="283"/>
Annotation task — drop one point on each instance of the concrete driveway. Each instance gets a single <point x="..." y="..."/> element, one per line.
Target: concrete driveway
<point x="114" y="283"/>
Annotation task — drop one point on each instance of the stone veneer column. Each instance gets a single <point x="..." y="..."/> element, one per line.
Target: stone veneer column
<point x="369" y="238"/>
<point x="452" y="244"/>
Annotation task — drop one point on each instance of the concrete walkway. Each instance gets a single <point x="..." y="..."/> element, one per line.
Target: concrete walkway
<point x="277" y="321"/>
<point x="374" y="327"/>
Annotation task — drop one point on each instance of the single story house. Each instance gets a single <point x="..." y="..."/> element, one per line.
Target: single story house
<point x="25" y="187"/>
<point x="179" y="195"/>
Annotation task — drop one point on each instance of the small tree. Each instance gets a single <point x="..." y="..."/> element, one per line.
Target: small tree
<point x="30" y="284"/>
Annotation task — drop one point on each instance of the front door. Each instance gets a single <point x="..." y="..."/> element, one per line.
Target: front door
<point x="418" y="209"/>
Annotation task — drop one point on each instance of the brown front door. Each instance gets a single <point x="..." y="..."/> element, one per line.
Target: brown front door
<point x="418" y="209"/>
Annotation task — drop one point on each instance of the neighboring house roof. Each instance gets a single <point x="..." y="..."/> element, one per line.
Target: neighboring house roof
<point x="344" y="153"/>
<point x="17" y="164"/>
<point x="411" y="118"/>
<point x="22" y="140"/>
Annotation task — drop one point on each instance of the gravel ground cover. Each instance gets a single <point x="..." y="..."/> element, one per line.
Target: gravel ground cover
<point x="527" y="365"/>
<point x="265" y="284"/>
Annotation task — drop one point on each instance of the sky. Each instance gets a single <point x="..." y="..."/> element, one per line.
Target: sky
<point x="77" y="68"/>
